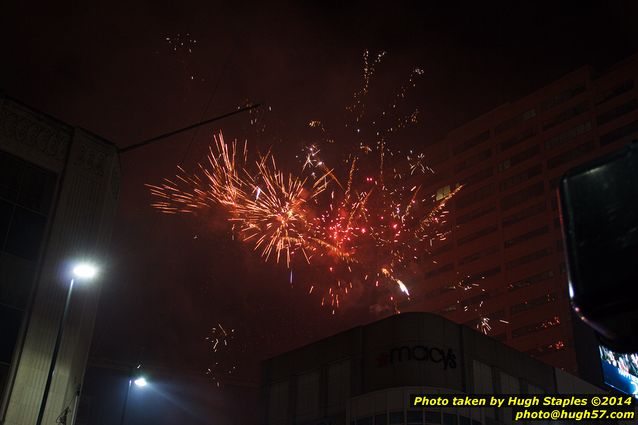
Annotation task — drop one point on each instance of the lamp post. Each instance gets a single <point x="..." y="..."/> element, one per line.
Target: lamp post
<point x="82" y="271"/>
<point x="139" y="381"/>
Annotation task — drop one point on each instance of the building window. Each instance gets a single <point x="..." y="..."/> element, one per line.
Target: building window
<point x="25" y="234"/>
<point x="518" y="158"/>
<point x="476" y="140"/>
<point x="533" y="303"/>
<point x="483" y="253"/>
<point x="26" y="185"/>
<point x="477" y="299"/>
<point x="414" y="417"/>
<point x="484" y="274"/>
<point x="546" y="349"/>
<point x="571" y="154"/>
<point x="11" y="170"/>
<point x="527" y="258"/>
<point x="474" y="159"/>
<point x="37" y="190"/>
<point x="562" y="96"/>
<point x="523" y="214"/>
<point x="307" y="404"/>
<point x="338" y="384"/>
<point x="6" y="212"/>
<point x="449" y="309"/>
<point x="619" y="133"/>
<point x="396" y="417"/>
<point x="526" y="236"/>
<point x="478" y="195"/>
<point x="515" y="121"/>
<point x="440" y="290"/>
<point x="477" y="177"/>
<point x="16" y="277"/>
<point x="616" y="91"/>
<point x="475" y="323"/>
<point x="439" y="157"/>
<point x="530" y="280"/>
<point x="619" y="111"/>
<point x="509" y="384"/>
<point x="509" y="143"/>
<point x="482" y="375"/>
<point x="566" y="115"/>
<point x="450" y="419"/>
<point x="568" y="135"/>
<point x="510" y="201"/>
<point x="26" y="196"/>
<point x="473" y="236"/>
<point x="381" y="419"/>
<point x="521" y="177"/>
<point x="442" y="249"/>
<point x="439" y="270"/>
<point x="533" y="389"/>
<point x="475" y="214"/>
<point x="431" y="417"/>
<point x="10" y="320"/>
<point x="278" y="403"/>
<point x="443" y="192"/>
<point x="535" y="327"/>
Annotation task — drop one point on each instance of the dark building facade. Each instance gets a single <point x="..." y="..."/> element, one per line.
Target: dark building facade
<point x="502" y="268"/>
<point x="367" y="375"/>
<point x="58" y="191"/>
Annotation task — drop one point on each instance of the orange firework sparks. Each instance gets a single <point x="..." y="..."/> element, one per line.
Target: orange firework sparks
<point x="365" y="221"/>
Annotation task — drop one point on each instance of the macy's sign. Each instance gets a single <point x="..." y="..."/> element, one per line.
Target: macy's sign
<point x="419" y="353"/>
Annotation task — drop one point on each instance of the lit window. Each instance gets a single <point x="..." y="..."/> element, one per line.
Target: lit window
<point x="443" y="192"/>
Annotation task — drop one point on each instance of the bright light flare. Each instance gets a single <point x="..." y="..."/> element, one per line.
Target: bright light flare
<point x="85" y="271"/>
<point x="140" y="382"/>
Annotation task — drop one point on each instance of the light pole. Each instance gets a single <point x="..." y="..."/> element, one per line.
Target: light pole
<point x="139" y="381"/>
<point x="82" y="271"/>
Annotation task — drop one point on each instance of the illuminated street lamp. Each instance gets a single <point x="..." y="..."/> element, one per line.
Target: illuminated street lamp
<point x="81" y="272"/>
<point x="139" y="380"/>
<point x="85" y="271"/>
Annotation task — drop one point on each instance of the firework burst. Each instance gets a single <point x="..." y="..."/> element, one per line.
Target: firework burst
<point x="362" y="222"/>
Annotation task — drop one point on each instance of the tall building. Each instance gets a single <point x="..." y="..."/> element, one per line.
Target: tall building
<point x="502" y="267"/>
<point x="368" y="374"/>
<point x="58" y="190"/>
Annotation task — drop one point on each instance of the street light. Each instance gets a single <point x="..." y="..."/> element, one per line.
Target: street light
<point x="85" y="271"/>
<point x="81" y="271"/>
<point x="139" y="381"/>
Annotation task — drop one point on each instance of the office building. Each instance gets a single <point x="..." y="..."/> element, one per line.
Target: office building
<point x="58" y="190"/>
<point x="502" y="267"/>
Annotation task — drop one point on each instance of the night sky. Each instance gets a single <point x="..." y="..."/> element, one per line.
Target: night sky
<point x="110" y="68"/>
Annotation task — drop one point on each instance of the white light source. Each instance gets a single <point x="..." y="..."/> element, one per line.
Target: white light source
<point x="85" y="271"/>
<point x="140" y="382"/>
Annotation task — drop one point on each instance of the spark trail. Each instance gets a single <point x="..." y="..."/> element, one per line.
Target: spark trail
<point x="363" y="221"/>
